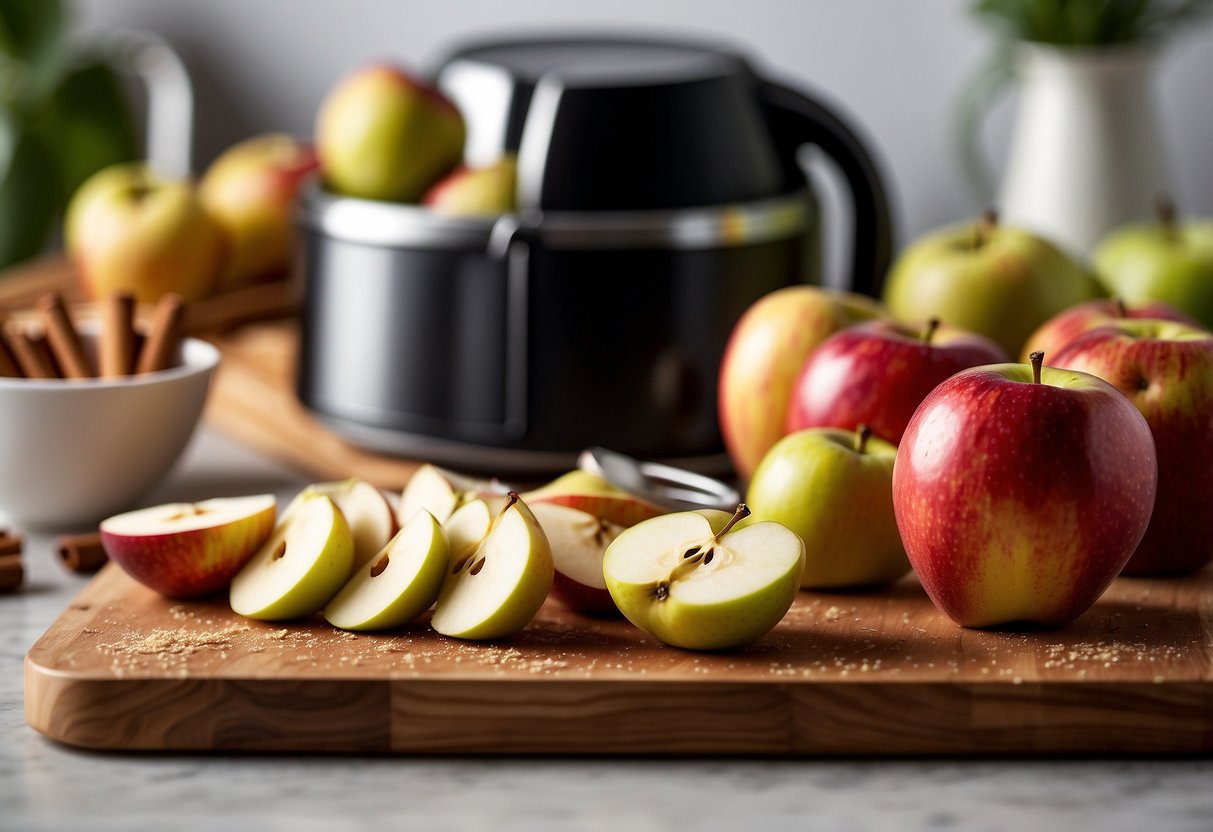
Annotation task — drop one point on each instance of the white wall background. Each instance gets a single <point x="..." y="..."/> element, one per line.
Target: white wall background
<point x="895" y="66"/>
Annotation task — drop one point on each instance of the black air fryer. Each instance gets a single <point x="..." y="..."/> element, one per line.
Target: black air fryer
<point x="659" y="196"/>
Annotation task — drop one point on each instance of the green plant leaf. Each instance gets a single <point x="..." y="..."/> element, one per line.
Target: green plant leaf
<point x="33" y="44"/>
<point x="29" y="191"/>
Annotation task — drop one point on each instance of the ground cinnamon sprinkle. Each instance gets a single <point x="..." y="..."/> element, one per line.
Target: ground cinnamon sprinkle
<point x="162" y="642"/>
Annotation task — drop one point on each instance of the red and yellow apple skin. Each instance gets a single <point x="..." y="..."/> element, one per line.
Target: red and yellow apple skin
<point x="486" y="191"/>
<point x="764" y="354"/>
<point x="592" y="494"/>
<point x="877" y="373"/>
<point x="1018" y="501"/>
<point x="250" y="191"/>
<point x="1166" y="370"/>
<point x="1057" y="332"/>
<point x="384" y="134"/>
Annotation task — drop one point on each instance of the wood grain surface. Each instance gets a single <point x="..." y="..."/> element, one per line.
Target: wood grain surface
<point x="872" y="673"/>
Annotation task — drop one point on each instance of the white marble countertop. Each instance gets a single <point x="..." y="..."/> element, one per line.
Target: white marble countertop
<point x="48" y="786"/>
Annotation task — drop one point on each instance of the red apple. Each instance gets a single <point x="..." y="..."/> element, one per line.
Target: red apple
<point x="578" y="540"/>
<point x="765" y="352"/>
<point x="592" y="494"/>
<point x="1020" y="492"/>
<point x="184" y="550"/>
<point x="877" y="373"/>
<point x="1166" y="370"/>
<point x="483" y="191"/>
<point x="1061" y="329"/>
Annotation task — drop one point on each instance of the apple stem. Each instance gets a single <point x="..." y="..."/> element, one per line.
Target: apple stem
<point x="987" y="223"/>
<point x="862" y="434"/>
<point x="1038" y="359"/>
<point x="742" y="512"/>
<point x="929" y="332"/>
<point x="1164" y="207"/>
<point x="1119" y="304"/>
<point x="510" y="498"/>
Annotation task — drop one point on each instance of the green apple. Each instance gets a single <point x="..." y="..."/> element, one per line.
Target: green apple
<point x="441" y="492"/>
<point x="763" y="358"/>
<point x="483" y="191"/>
<point x="690" y="581"/>
<point x="1000" y="282"/>
<point x="1163" y="261"/>
<point x="397" y="584"/>
<point x="300" y="568"/>
<point x="250" y="191"/>
<point x="384" y="134"/>
<point x="592" y="494"/>
<point x="834" y="488"/>
<point x="370" y="516"/>
<point x="129" y="229"/>
<point x="494" y="589"/>
<point x="466" y="527"/>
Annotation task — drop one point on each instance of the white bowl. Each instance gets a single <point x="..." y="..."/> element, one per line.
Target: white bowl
<point x="74" y="452"/>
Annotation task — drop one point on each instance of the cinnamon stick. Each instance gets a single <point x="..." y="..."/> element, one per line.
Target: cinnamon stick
<point x="63" y="338"/>
<point x="32" y="357"/>
<point x="12" y="572"/>
<point x="8" y="361"/>
<point x="117" y="335"/>
<point x="81" y="553"/>
<point x="161" y="343"/>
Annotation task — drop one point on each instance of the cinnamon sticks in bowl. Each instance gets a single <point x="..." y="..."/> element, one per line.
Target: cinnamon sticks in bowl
<point x="54" y="348"/>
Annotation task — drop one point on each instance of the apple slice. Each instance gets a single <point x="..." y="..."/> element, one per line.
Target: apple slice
<point x="397" y="584"/>
<point x="594" y="495"/>
<point x="578" y="541"/>
<point x="370" y="516"/>
<point x="495" y="589"/>
<point x="300" y="568"/>
<point x="184" y="550"/>
<point x="440" y="492"/>
<point x="467" y="527"/>
<point x="691" y="582"/>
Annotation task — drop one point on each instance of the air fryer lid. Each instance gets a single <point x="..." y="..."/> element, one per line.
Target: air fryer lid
<point x="617" y="124"/>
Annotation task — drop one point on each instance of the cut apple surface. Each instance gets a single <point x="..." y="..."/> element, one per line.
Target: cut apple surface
<point x="467" y="527"/>
<point x="370" y="516"/>
<point x="189" y="549"/>
<point x="396" y="585"/>
<point x="691" y="582"/>
<point x="300" y="568"/>
<point x="495" y="589"/>
<point x="594" y="495"/>
<point x="440" y="492"/>
<point x="578" y="541"/>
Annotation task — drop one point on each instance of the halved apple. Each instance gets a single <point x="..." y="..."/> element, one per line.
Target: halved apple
<point x="184" y="550"/>
<point x="370" y="517"/>
<point x="594" y="495"/>
<point x="440" y="492"/>
<point x="300" y="568"/>
<point x="578" y="541"/>
<point x="691" y="582"/>
<point x="495" y="589"/>
<point x="397" y="584"/>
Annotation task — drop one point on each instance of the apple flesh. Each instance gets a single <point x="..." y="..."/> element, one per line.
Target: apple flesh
<point x="300" y="568"/>
<point x="250" y="191"/>
<point x="486" y="191"/>
<point x="366" y="510"/>
<point x="1020" y="492"/>
<point x="1001" y="282"/>
<point x="467" y="527"/>
<point x="385" y="134"/>
<point x="691" y="582"/>
<point x="441" y="492"/>
<point x="594" y="495"/>
<point x="763" y="356"/>
<point x="834" y="488"/>
<point x="578" y="540"/>
<point x="130" y="230"/>
<point x="877" y="373"/>
<point x="494" y="589"/>
<point x="1057" y="332"/>
<point x="398" y="584"/>
<point x="185" y="550"/>
<point x="1166" y="370"/>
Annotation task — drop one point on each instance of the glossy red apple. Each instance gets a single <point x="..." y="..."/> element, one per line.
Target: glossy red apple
<point x="1057" y="332"/>
<point x="878" y="372"/>
<point x="1166" y="370"/>
<point x="1021" y="492"/>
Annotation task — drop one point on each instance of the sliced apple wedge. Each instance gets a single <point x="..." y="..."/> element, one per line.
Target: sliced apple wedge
<point x="467" y="527"/>
<point x="495" y="589"/>
<point x="594" y="495"/>
<point x="300" y="568"/>
<point x="440" y="492"/>
<point x="184" y="550"/>
<point x="370" y="516"/>
<point x="396" y="585"/>
<point x="578" y="541"/>
<point x="691" y="582"/>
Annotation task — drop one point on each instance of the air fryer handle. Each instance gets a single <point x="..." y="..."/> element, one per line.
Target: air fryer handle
<point x="510" y="245"/>
<point x="796" y="120"/>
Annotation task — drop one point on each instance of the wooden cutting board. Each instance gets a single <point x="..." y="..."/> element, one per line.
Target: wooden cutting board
<point x="873" y="673"/>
